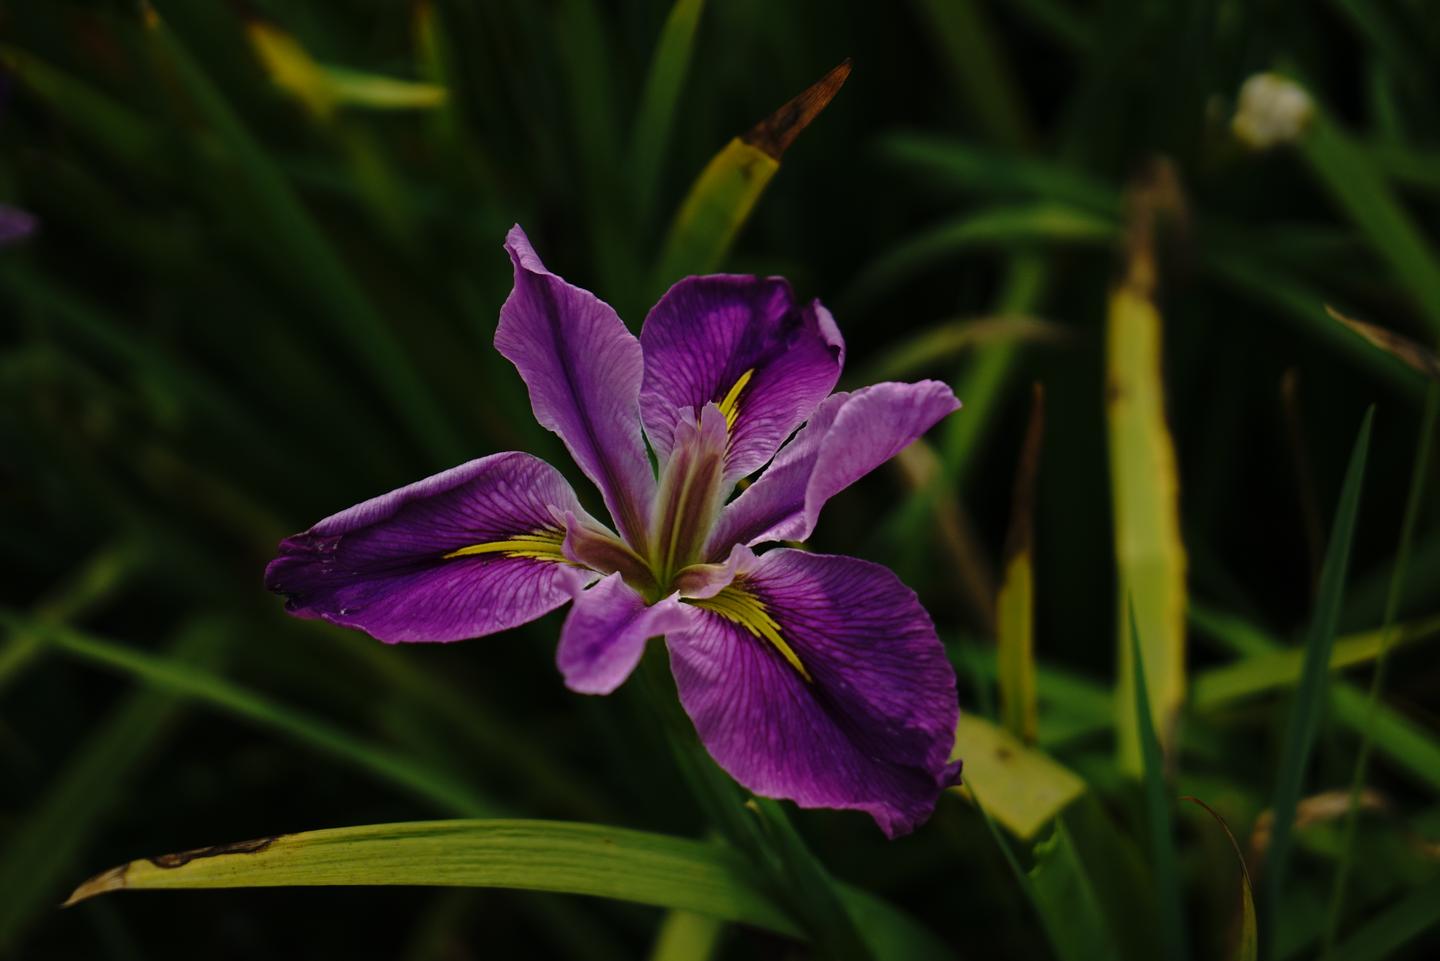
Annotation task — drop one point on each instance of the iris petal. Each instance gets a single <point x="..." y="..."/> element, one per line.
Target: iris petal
<point x="871" y="727"/>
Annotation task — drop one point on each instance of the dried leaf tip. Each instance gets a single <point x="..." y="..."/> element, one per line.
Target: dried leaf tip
<point x="777" y="132"/>
<point x="102" y="883"/>
<point x="1411" y="353"/>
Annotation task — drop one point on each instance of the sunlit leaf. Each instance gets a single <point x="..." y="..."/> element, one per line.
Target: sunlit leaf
<point x="1015" y="607"/>
<point x="1021" y="787"/>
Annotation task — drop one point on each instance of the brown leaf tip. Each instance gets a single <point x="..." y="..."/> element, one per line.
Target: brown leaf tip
<point x="777" y="132"/>
<point x="102" y="883"/>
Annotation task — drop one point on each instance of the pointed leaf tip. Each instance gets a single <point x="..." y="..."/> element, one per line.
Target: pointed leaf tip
<point x="777" y="132"/>
<point x="102" y="883"/>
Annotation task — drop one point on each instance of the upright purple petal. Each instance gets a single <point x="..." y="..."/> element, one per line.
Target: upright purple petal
<point x="605" y="634"/>
<point x="584" y="371"/>
<point x="849" y="436"/>
<point x="382" y="566"/>
<point x="865" y="717"/>
<point x="744" y="339"/>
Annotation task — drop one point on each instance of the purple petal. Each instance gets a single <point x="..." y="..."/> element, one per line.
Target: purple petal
<point x="15" y="225"/>
<point x="849" y="436"/>
<point x="708" y="333"/>
<point x="872" y="727"/>
<point x="381" y="566"/>
<point x="584" y="370"/>
<point x="605" y="634"/>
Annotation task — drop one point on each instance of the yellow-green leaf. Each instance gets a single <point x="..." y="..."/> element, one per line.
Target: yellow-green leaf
<point x="1020" y="787"/>
<point x="1015" y="606"/>
<point x="1149" y="555"/>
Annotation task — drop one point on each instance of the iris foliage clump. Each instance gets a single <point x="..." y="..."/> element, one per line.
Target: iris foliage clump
<point x="1179" y="546"/>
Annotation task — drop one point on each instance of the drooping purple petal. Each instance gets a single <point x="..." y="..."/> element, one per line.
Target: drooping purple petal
<point x="584" y="370"/>
<point x="605" y="634"/>
<point x="872" y="727"/>
<point x="849" y="436"/>
<point x="744" y="338"/>
<point x="381" y="566"/>
<point x="15" y="224"/>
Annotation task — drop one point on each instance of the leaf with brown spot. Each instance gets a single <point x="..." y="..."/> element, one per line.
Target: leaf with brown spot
<point x="1414" y="355"/>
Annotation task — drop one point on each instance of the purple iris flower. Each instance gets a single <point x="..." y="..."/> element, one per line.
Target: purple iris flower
<point x="810" y="677"/>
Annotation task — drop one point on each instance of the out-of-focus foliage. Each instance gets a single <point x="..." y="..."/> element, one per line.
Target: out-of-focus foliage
<point x="261" y="285"/>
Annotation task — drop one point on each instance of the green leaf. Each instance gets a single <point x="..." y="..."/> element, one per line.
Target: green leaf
<point x="1067" y="902"/>
<point x="1157" y="807"/>
<point x="559" y="856"/>
<point x="409" y="773"/>
<point x="1222" y="686"/>
<point x="1015" y="606"/>
<point x="687" y="936"/>
<point x="656" y="114"/>
<point x="1150" y="556"/>
<point x="721" y="199"/>
<point x="1022" y="788"/>
<point x="1394" y="927"/>
<point x="988" y="173"/>
<point x="1305" y="716"/>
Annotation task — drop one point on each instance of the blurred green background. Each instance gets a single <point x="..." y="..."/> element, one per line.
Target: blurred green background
<point x="263" y="288"/>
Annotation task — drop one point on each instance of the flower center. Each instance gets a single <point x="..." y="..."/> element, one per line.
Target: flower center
<point x="690" y="494"/>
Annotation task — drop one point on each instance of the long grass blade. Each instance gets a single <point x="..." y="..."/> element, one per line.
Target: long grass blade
<point x="1247" y="937"/>
<point x="1303" y="726"/>
<point x="656" y="114"/>
<point x="1157" y="806"/>
<point x="1015" y="606"/>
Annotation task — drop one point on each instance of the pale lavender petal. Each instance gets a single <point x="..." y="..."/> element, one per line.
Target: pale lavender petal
<point x="707" y="333"/>
<point x="849" y="436"/>
<point x="605" y="634"/>
<point x="872" y="730"/>
<point x="584" y="371"/>
<point x="381" y="566"/>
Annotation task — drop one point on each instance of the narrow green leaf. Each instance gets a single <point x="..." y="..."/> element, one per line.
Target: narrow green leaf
<point x="655" y="117"/>
<point x="940" y="344"/>
<point x="190" y="680"/>
<point x="1305" y="716"/>
<point x="687" y="936"/>
<point x="559" y="856"/>
<point x="1022" y="788"/>
<point x="1066" y="900"/>
<point x="1222" y="686"/>
<point x="47" y="840"/>
<point x="988" y="173"/>
<point x="721" y="199"/>
<point x="1247" y="938"/>
<point x="1396" y="926"/>
<point x="1015" y="606"/>
<point x="978" y="66"/>
<point x="1157" y="806"/>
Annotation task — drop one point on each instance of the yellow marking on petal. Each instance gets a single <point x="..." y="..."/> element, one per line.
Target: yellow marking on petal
<point x="542" y="545"/>
<point x="741" y="607"/>
<point x="730" y="406"/>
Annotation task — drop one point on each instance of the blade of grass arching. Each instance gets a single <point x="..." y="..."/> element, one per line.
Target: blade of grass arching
<point x="687" y="936"/>
<point x="813" y="895"/>
<point x="650" y="136"/>
<point x="106" y="122"/>
<point x="1020" y="787"/>
<point x="1220" y="687"/>
<point x="1346" y="171"/>
<point x="1408" y="745"/>
<point x="1305" y="715"/>
<point x="48" y="839"/>
<point x="1418" y="480"/>
<point x="554" y="856"/>
<point x="1015" y="607"/>
<point x="971" y="169"/>
<point x="1417" y="357"/>
<point x="1150" y="556"/>
<point x="1024" y="225"/>
<point x="1157" y="805"/>
<point x="88" y="587"/>
<point x="1394" y="927"/>
<point x="722" y="197"/>
<point x="438" y="787"/>
<point x="295" y="236"/>
<point x="1247" y="938"/>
